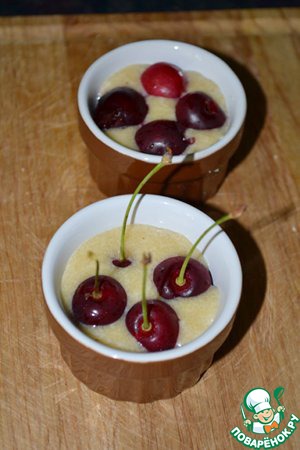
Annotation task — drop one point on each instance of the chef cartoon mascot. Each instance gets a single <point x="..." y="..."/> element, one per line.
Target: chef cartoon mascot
<point x="266" y="418"/>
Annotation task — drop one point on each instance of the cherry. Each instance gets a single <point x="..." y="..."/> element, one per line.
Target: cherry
<point x="123" y="261"/>
<point x="154" y="137"/>
<point x="199" y="111"/>
<point x="99" y="300"/>
<point x="197" y="278"/>
<point x="186" y="277"/>
<point x="120" y="107"/>
<point x="153" y="323"/>
<point x="164" y="325"/>
<point x="163" y="80"/>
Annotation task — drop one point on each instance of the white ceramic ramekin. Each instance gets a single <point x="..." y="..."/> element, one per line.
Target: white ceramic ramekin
<point x="190" y="177"/>
<point x="141" y="377"/>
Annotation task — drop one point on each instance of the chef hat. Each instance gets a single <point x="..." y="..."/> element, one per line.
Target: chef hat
<point x="257" y="400"/>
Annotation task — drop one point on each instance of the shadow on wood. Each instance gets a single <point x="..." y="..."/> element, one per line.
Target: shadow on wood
<point x="256" y="110"/>
<point x="254" y="281"/>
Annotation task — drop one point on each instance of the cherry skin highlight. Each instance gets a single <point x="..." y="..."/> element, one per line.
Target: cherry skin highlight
<point x="99" y="308"/>
<point x="164" y="325"/>
<point x="199" y="111"/>
<point x="163" y="80"/>
<point x="154" y="137"/>
<point x="197" y="278"/>
<point x="120" y="107"/>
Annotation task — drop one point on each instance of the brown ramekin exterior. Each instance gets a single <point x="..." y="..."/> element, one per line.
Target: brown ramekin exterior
<point x="190" y="181"/>
<point x="131" y="381"/>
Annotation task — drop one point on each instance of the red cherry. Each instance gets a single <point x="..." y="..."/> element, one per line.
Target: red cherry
<point x="197" y="278"/>
<point x="102" y="307"/>
<point x="154" y="137"/>
<point x="199" y="111"/>
<point x="120" y="107"/>
<point x="121" y="262"/>
<point x="163" y="80"/>
<point x="164" y="325"/>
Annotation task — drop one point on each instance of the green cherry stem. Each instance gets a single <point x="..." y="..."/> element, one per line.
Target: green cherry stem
<point x="96" y="292"/>
<point x="180" y="280"/>
<point x="146" y="325"/>
<point x="166" y="159"/>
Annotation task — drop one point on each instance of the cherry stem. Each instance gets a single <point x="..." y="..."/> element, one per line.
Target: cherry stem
<point x="96" y="291"/>
<point x="166" y="159"/>
<point x="180" y="280"/>
<point x="146" y="325"/>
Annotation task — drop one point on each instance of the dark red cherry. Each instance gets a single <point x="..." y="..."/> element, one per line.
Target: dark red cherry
<point x="197" y="278"/>
<point x="164" y="325"/>
<point x="154" y="137"/>
<point x="102" y="307"/>
<point x="120" y="107"/>
<point x="199" y="111"/>
<point x="163" y="80"/>
<point x="121" y="262"/>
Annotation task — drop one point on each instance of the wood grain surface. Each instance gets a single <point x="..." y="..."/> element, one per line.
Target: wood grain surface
<point x="45" y="178"/>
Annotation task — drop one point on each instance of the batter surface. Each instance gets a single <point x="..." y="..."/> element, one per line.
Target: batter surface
<point x="161" y="108"/>
<point x="195" y="314"/>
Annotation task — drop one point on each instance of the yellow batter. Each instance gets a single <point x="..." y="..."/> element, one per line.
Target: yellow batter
<point x="161" y="108"/>
<point x="195" y="314"/>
